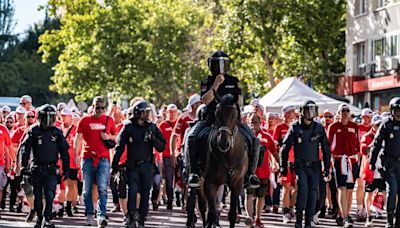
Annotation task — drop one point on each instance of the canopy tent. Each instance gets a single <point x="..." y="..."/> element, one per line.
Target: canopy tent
<point x="291" y="91"/>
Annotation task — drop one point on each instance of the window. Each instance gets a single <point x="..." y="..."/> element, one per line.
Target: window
<point x="378" y="47"/>
<point x="393" y="45"/>
<point x="360" y="53"/>
<point x="360" y="7"/>
<point x="381" y="3"/>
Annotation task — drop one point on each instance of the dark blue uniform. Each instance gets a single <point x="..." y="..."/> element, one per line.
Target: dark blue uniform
<point x="306" y="140"/>
<point x="140" y="141"/>
<point x="389" y="132"/>
<point x="48" y="146"/>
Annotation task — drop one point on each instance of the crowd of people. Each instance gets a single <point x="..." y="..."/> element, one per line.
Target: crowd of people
<point x="140" y="151"/>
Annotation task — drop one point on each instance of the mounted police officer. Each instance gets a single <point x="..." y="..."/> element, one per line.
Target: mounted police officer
<point x="306" y="136"/>
<point x="140" y="137"/>
<point x="222" y="83"/>
<point x="389" y="132"/>
<point x="48" y="144"/>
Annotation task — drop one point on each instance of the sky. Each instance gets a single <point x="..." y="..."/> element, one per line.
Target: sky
<point x="26" y="14"/>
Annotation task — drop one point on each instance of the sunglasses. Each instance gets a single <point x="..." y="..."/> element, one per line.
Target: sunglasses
<point x="22" y="103"/>
<point x="345" y="110"/>
<point x="326" y="117"/>
<point x="9" y="122"/>
<point x="30" y="117"/>
<point x="100" y="108"/>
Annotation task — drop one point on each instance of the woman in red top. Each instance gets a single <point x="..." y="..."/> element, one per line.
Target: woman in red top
<point x="262" y="172"/>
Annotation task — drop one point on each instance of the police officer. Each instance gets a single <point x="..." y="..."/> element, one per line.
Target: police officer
<point x="222" y="83"/>
<point x="389" y="132"/>
<point x="47" y="144"/>
<point x="140" y="136"/>
<point x="306" y="136"/>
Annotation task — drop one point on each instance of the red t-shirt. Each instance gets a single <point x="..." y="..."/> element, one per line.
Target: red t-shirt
<point x="122" y="160"/>
<point x="343" y="139"/>
<point x="279" y="134"/>
<point x="18" y="135"/>
<point x="5" y="141"/>
<point x="366" y="141"/>
<point x="263" y="172"/>
<point x="91" y="129"/>
<point x="180" y="128"/>
<point x="166" y="129"/>
<point x="70" y="140"/>
<point x="363" y="129"/>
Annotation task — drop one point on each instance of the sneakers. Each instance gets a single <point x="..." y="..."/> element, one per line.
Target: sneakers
<point x="332" y="214"/>
<point x="178" y="198"/>
<point x="38" y="223"/>
<point x="267" y="208"/>
<point x="116" y="208"/>
<point x="378" y="215"/>
<point x="60" y="213"/>
<point x="259" y="224"/>
<point x="48" y="224"/>
<point x="314" y="221"/>
<point x="102" y="222"/>
<point x="369" y="222"/>
<point x="348" y="223"/>
<point x="169" y="206"/>
<point x="90" y="221"/>
<point x="30" y="216"/>
<point x="339" y="221"/>
<point x="194" y="180"/>
<point x="141" y="223"/>
<point x="249" y="222"/>
<point x="287" y="218"/>
<point x="68" y="209"/>
<point x="253" y="182"/>
<point x="360" y="216"/>
<point x="155" y="205"/>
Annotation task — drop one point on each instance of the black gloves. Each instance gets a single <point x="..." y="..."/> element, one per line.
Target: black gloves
<point x="372" y="167"/>
<point x="325" y="173"/>
<point x="284" y="171"/>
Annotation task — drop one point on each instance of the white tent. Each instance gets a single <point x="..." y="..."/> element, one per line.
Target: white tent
<point x="291" y="91"/>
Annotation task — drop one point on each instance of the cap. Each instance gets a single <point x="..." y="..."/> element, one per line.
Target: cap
<point x="327" y="111"/>
<point x="66" y="112"/>
<point x="172" y="107"/>
<point x="6" y="109"/>
<point x="74" y="110"/>
<point x="367" y="112"/>
<point x="193" y="100"/>
<point x="61" y="105"/>
<point x="385" y="115"/>
<point x="26" y="98"/>
<point x="376" y="119"/>
<point x="288" y="108"/>
<point x="20" y="110"/>
<point x="29" y="112"/>
<point x="255" y="102"/>
<point x="125" y="112"/>
<point x="343" y="106"/>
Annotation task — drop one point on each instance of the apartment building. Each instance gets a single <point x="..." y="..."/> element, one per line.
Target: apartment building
<point x="372" y="53"/>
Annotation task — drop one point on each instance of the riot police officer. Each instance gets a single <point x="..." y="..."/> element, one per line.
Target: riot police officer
<point x="48" y="144"/>
<point x="306" y="136"/>
<point x="389" y="132"/>
<point x="222" y="83"/>
<point x="140" y="136"/>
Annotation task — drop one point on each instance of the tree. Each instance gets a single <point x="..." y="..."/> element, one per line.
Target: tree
<point x="7" y="23"/>
<point x="128" y="47"/>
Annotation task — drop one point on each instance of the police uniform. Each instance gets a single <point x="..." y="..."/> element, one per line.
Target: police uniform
<point x="389" y="132"/>
<point x="306" y="140"/>
<point x="140" y="141"/>
<point x="48" y="145"/>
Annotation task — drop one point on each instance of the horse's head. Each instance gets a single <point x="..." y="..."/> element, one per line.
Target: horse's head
<point x="227" y="120"/>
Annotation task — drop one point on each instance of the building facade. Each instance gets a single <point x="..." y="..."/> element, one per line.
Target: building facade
<point x="372" y="53"/>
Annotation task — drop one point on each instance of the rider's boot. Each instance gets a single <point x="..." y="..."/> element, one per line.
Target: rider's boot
<point x="253" y="181"/>
<point x="194" y="179"/>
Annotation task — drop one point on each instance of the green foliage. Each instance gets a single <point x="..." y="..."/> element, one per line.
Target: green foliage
<point x="158" y="48"/>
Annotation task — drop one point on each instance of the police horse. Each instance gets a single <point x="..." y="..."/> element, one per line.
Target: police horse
<point x="225" y="161"/>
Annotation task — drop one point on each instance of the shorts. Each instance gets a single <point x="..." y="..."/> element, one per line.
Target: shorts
<point x="27" y="187"/>
<point x="342" y="179"/>
<point x="260" y="191"/>
<point x="379" y="184"/>
<point x="3" y="178"/>
<point x="73" y="174"/>
<point x="290" y="178"/>
<point x="121" y="185"/>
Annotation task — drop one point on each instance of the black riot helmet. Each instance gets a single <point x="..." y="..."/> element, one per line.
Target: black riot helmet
<point x="139" y="107"/>
<point x="309" y="110"/>
<point x="47" y="115"/>
<point x="219" y="63"/>
<point x="394" y="106"/>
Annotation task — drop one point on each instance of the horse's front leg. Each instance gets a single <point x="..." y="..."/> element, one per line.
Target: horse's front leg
<point x="235" y="192"/>
<point x="210" y="190"/>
